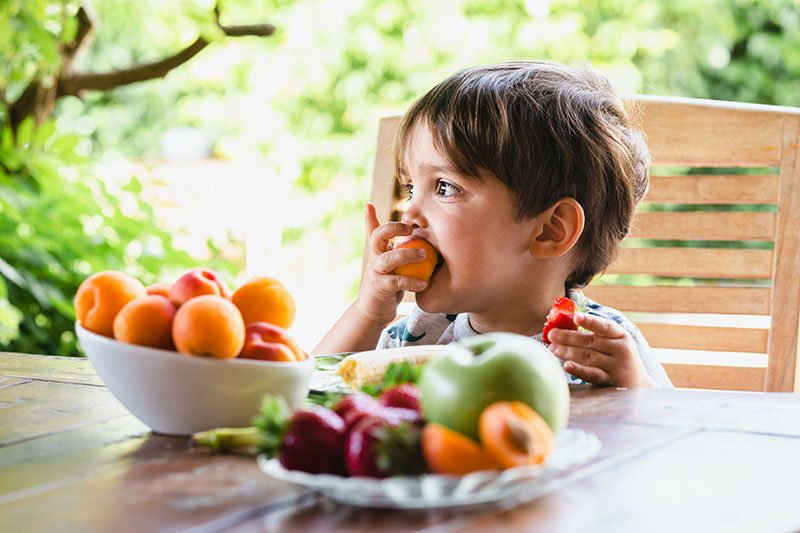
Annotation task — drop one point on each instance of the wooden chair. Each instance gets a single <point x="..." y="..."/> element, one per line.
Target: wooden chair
<point x="711" y="271"/>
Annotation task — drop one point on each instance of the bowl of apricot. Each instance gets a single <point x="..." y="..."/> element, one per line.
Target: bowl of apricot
<point x="191" y="355"/>
<point x="179" y="394"/>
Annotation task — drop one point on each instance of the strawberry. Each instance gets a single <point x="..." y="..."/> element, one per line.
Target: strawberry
<point x="405" y="395"/>
<point x="357" y="406"/>
<point x="561" y="316"/>
<point x="380" y="448"/>
<point x="358" y="400"/>
<point x="314" y="441"/>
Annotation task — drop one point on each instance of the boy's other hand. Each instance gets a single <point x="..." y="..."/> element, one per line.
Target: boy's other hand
<point x="603" y="355"/>
<point x="381" y="291"/>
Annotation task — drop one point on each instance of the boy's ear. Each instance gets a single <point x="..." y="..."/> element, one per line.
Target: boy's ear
<point x="557" y="229"/>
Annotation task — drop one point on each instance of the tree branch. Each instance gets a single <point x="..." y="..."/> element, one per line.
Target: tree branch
<point x="87" y="21"/>
<point x="73" y="84"/>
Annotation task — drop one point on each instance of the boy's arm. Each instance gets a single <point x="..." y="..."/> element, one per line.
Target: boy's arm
<point x="352" y="332"/>
<point x="359" y="328"/>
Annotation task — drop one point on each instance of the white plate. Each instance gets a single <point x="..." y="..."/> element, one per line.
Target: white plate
<point x="573" y="447"/>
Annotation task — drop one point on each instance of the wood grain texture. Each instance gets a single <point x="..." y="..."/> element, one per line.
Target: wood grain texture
<point x="714" y="189"/>
<point x="705" y="226"/>
<point x="678" y="299"/>
<point x="720" y="339"/>
<point x="694" y="263"/>
<point x="718" y="377"/>
<point x="51" y="368"/>
<point x="783" y="373"/>
<point x="40" y="407"/>
<point x="686" y="132"/>
<point x="650" y="492"/>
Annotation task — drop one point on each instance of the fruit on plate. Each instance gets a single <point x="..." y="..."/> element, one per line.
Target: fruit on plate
<point x="265" y="299"/>
<point x="314" y="441"/>
<point x="457" y="386"/>
<point x="101" y="296"/>
<point x="269" y="342"/>
<point x="404" y="395"/>
<point x="449" y="452"/>
<point x="514" y="434"/>
<point x="379" y="448"/>
<point x="146" y="321"/>
<point x="561" y="316"/>
<point x="208" y="325"/>
<point x="198" y="282"/>
<point x="422" y="269"/>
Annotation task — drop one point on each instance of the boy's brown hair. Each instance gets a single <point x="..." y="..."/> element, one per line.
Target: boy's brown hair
<point x="547" y="131"/>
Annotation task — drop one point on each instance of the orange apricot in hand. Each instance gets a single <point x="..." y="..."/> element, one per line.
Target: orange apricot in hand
<point x="423" y="269"/>
<point x="146" y="321"/>
<point x="208" y="325"/>
<point x="101" y="296"/>
<point x="198" y="282"/>
<point x="514" y="434"/>
<point x="265" y="299"/>
<point x="449" y="452"/>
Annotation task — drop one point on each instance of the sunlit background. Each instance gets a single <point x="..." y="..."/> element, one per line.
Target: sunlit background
<point x="255" y="156"/>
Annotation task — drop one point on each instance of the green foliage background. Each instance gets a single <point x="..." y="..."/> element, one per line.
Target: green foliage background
<point x="307" y="100"/>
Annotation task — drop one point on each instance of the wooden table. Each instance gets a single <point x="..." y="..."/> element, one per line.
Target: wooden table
<point x="72" y="458"/>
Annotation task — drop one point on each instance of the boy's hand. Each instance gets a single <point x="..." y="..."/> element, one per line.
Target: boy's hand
<point x="381" y="290"/>
<point x="603" y="355"/>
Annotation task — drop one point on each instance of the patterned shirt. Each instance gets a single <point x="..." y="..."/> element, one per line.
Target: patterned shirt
<point x="421" y="328"/>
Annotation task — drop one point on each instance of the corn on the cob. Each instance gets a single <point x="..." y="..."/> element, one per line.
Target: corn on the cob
<point x="369" y="367"/>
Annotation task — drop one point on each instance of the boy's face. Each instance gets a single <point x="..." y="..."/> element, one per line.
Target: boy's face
<point x="471" y="222"/>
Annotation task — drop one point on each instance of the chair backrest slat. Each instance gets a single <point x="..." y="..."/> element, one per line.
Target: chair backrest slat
<point x="719" y="300"/>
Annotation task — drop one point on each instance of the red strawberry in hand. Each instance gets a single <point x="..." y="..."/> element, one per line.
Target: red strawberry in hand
<point x="561" y="316"/>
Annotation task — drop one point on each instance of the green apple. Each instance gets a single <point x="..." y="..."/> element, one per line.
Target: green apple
<point x="456" y="386"/>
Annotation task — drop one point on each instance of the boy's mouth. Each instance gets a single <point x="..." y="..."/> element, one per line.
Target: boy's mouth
<point x="439" y="263"/>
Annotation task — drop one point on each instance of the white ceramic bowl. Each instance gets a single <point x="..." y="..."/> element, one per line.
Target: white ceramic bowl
<point x="179" y="394"/>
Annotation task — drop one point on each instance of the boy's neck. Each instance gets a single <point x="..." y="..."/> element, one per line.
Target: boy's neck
<point x="525" y="318"/>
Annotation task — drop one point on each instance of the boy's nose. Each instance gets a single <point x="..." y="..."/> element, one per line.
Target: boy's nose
<point x="413" y="217"/>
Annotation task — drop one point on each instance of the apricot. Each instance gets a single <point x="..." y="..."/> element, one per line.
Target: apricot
<point x="423" y="269"/>
<point x="265" y="299"/>
<point x="161" y="288"/>
<point x="101" y="296"/>
<point x="208" y="325"/>
<point x="447" y="451"/>
<point x="146" y="321"/>
<point x="514" y="434"/>
<point x="269" y="342"/>
<point x="198" y="282"/>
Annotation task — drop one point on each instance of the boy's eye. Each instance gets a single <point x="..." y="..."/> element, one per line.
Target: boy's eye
<point x="408" y="190"/>
<point x="446" y="189"/>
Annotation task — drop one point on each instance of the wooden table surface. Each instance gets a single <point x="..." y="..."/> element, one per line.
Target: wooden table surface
<point x="73" y="459"/>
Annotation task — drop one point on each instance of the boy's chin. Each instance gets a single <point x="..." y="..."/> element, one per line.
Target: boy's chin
<point x="429" y="304"/>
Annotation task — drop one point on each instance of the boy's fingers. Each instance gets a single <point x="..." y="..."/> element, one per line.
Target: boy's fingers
<point x="590" y="374"/>
<point x="371" y="218"/>
<point x="381" y="235"/>
<point x="583" y="339"/>
<point x="386" y="262"/>
<point x="599" y="326"/>
<point x="583" y="356"/>
<point x="394" y="284"/>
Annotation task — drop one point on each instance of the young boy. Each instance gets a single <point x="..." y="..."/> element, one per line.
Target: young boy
<point x="525" y="177"/>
